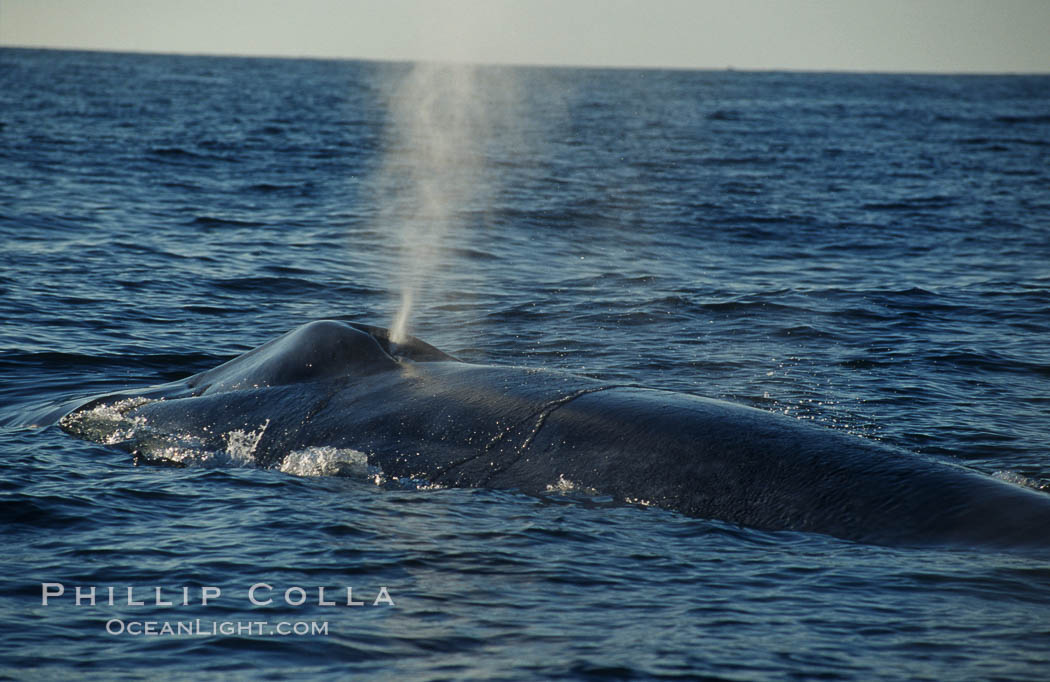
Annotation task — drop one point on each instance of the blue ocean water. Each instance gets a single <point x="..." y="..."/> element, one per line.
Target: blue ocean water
<point x="870" y="252"/>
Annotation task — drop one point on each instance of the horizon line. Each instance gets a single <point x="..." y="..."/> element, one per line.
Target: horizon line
<point x="527" y="65"/>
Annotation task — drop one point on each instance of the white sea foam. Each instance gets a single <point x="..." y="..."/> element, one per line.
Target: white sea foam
<point x="562" y="485"/>
<point x="330" y="461"/>
<point x="107" y="423"/>
<point x="1021" y="480"/>
<point x="565" y="486"/>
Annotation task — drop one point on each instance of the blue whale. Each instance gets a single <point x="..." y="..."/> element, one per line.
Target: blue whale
<point x="422" y="415"/>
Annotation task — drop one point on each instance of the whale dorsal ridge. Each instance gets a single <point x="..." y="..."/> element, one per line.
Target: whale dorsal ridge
<point x="326" y="349"/>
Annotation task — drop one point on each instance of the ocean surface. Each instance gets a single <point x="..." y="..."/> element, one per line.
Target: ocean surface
<point x="869" y="252"/>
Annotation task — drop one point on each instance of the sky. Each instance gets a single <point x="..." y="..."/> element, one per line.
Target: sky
<point x="954" y="36"/>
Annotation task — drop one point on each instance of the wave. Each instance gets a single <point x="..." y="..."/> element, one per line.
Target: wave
<point x="213" y="221"/>
<point x="1014" y="119"/>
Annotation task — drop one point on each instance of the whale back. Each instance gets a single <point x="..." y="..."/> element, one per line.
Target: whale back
<point x="420" y="415"/>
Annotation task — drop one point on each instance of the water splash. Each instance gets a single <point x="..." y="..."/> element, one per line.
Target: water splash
<point x="241" y="444"/>
<point x="331" y="461"/>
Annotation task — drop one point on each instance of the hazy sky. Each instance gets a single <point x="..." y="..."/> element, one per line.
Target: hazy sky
<point x="869" y="35"/>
